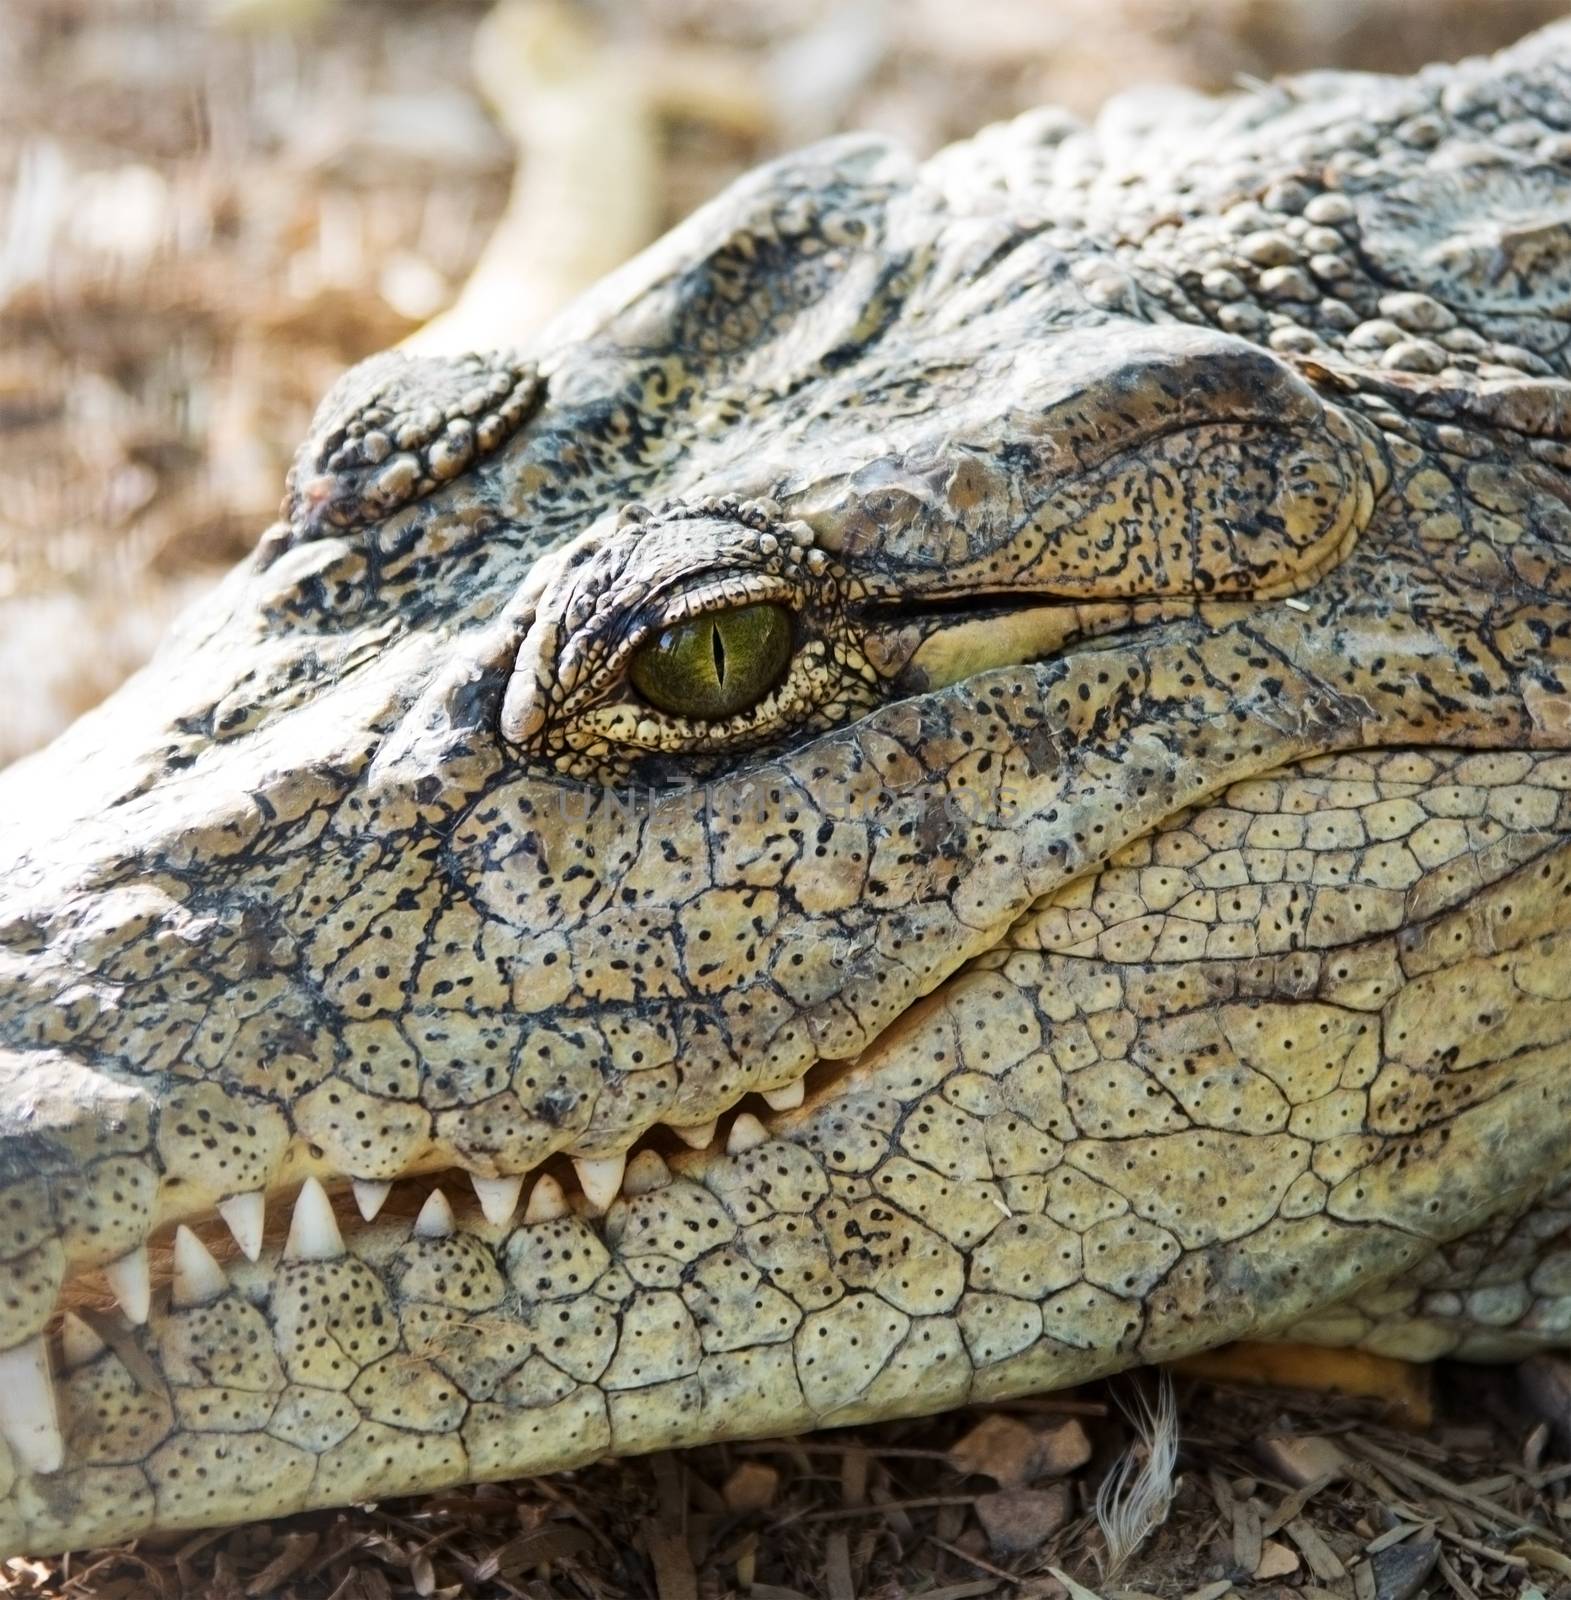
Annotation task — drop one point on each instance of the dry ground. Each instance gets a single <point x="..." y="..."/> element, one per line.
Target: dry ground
<point x="1277" y="1498"/>
<point x="206" y="211"/>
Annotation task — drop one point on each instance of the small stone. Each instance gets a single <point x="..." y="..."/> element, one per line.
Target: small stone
<point x="1321" y="241"/>
<point x="1012" y="1454"/>
<point x="1267" y="248"/>
<point x="1418" y="313"/>
<point x="1276" y="1561"/>
<point x="1289" y="197"/>
<point x="1329" y="210"/>
<point x="1414" y="355"/>
<point x="1376" y="334"/>
<point x="1287" y="283"/>
<point x="1246" y="217"/>
<point x="999" y="1448"/>
<point x="1221" y="284"/>
<point x="1301" y="1459"/>
<point x="1330" y="269"/>
<point x="751" y="1487"/>
<point x="1401" y="1570"/>
<point x="1354" y="135"/>
<point x="1295" y="340"/>
<point x="1018" y="1521"/>
<point x="1241" y="317"/>
<point x="1062" y="1448"/>
<point x="1462" y="340"/>
<point x="1421" y="132"/>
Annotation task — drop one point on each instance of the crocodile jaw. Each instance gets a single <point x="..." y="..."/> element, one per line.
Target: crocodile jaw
<point x="913" y="1237"/>
<point x="257" y="946"/>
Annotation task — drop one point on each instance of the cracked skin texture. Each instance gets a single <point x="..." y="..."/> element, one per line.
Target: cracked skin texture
<point x="1155" y="856"/>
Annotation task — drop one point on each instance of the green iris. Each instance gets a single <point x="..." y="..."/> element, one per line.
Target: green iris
<point x="714" y="665"/>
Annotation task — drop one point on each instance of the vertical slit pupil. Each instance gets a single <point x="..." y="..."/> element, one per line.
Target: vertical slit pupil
<point x="717" y="645"/>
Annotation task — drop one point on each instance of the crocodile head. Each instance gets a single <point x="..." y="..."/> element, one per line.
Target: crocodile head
<point x="959" y="782"/>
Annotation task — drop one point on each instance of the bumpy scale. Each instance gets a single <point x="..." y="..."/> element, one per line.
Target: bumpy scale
<point x="1102" y="886"/>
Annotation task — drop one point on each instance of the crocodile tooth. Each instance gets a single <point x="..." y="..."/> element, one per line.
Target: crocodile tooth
<point x="787" y="1097"/>
<point x="546" y="1201"/>
<point x="370" y="1195"/>
<point x="436" y="1217"/>
<point x="78" y="1343"/>
<point x="246" y="1216"/>
<point x="700" y="1135"/>
<point x="132" y="1281"/>
<point x="747" y="1133"/>
<point x="600" y="1177"/>
<point x="498" y="1197"/>
<point x="313" y="1229"/>
<point x="646" y="1172"/>
<point x="29" y="1422"/>
<point x="197" y="1277"/>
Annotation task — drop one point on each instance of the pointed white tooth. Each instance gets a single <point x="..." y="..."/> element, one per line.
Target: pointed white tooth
<point x="646" y="1172"/>
<point x="436" y="1217"/>
<point x="700" y="1135"/>
<point x="246" y="1216"/>
<point x="546" y="1201"/>
<point x="197" y="1277"/>
<point x="498" y="1197"/>
<point x="786" y="1098"/>
<point x="132" y="1281"/>
<point x="29" y="1422"/>
<point x="370" y="1194"/>
<point x="600" y="1177"/>
<point x="313" y="1229"/>
<point x="78" y="1343"/>
<point x="747" y="1133"/>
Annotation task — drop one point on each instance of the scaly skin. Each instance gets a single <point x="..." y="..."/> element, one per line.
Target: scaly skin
<point x="1156" y="858"/>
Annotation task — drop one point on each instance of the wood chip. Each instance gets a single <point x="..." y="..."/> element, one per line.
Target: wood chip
<point x="1396" y="1535"/>
<point x="675" y="1578"/>
<point x="1321" y="1558"/>
<point x="1388" y="1461"/>
<point x="1247" y="1541"/>
<point x="1543" y="1557"/>
<point x="1292" y="1506"/>
<point x="1301" y="1460"/>
<point x="1454" y="1579"/>
<point x="298" y="1548"/>
<point x="1077" y="1591"/>
<point x="1276" y="1561"/>
<point x="1212" y="1591"/>
<point x="837" y="1567"/>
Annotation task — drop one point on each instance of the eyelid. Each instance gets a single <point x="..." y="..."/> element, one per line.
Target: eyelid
<point x="727" y="593"/>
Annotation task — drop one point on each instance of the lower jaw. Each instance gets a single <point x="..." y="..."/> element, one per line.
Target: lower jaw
<point x="359" y="1361"/>
<point x="830" y="1273"/>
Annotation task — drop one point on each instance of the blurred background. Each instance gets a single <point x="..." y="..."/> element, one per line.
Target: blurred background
<point x="209" y="207"/>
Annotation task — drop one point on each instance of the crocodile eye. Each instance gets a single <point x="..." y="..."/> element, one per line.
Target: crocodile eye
<point x="715" y="664"/>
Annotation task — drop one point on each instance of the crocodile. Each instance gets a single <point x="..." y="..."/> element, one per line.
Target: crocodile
<point x="958" y="779"/>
